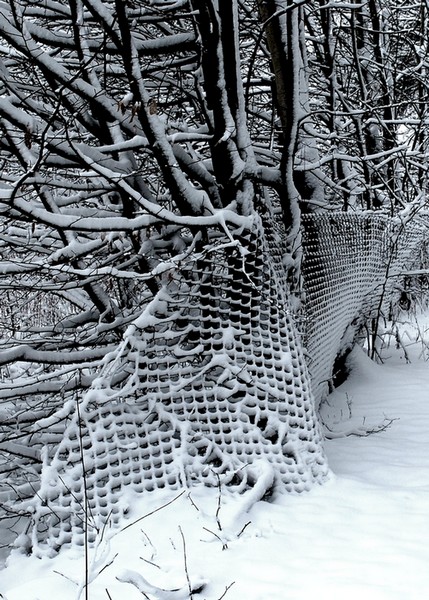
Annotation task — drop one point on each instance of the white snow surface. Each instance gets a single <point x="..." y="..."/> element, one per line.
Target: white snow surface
<point x="362" y="535"/>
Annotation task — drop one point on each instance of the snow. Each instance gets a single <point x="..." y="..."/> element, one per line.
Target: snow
<point x="361" y="535"/>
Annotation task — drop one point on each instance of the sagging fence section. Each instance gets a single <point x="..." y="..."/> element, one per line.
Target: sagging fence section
<point x="212" y="387"/>
<point x="353" y="272"/>
<point x="211" y="384"/>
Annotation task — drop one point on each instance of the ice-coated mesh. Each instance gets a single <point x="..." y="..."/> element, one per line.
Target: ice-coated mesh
<point x="211" y="386"/>
<point x="351" y="267"/>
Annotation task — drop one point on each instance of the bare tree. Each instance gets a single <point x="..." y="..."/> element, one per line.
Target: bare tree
<point x="368" y="89"/>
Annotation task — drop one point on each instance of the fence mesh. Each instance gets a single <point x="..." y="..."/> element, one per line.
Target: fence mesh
<point x="210" y="384"/>
<point x="351" y="269"/>
<point x="213" y="388"/>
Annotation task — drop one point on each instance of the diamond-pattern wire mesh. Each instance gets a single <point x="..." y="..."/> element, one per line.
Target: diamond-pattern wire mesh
<point x="214" y="388"/>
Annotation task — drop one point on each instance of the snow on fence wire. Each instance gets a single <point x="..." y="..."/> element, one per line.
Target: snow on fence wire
<point x="351" y="269"/>
<point x="214" y="387"/>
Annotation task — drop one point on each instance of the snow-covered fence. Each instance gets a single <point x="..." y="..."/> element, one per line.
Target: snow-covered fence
<point x="210" y="384"/>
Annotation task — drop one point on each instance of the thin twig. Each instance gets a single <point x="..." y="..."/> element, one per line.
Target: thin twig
<point x="185" y="560"/>
<point x="192" y="502"/>
<point x="219" y="499"/>
<point x="107" y="564"/>
<point x="153" y="511"/>
<point x="65" y="577"/>
<point x="228" y="587"/>
<point x="149" y="562"/>
<point x="85" y="502"/>
<point x="243" y="528"/>
<point x="224" y="544"/>
<point x="358" y="432"/>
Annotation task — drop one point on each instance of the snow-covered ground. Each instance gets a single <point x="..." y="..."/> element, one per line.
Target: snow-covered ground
<point x="363" y="535"/>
